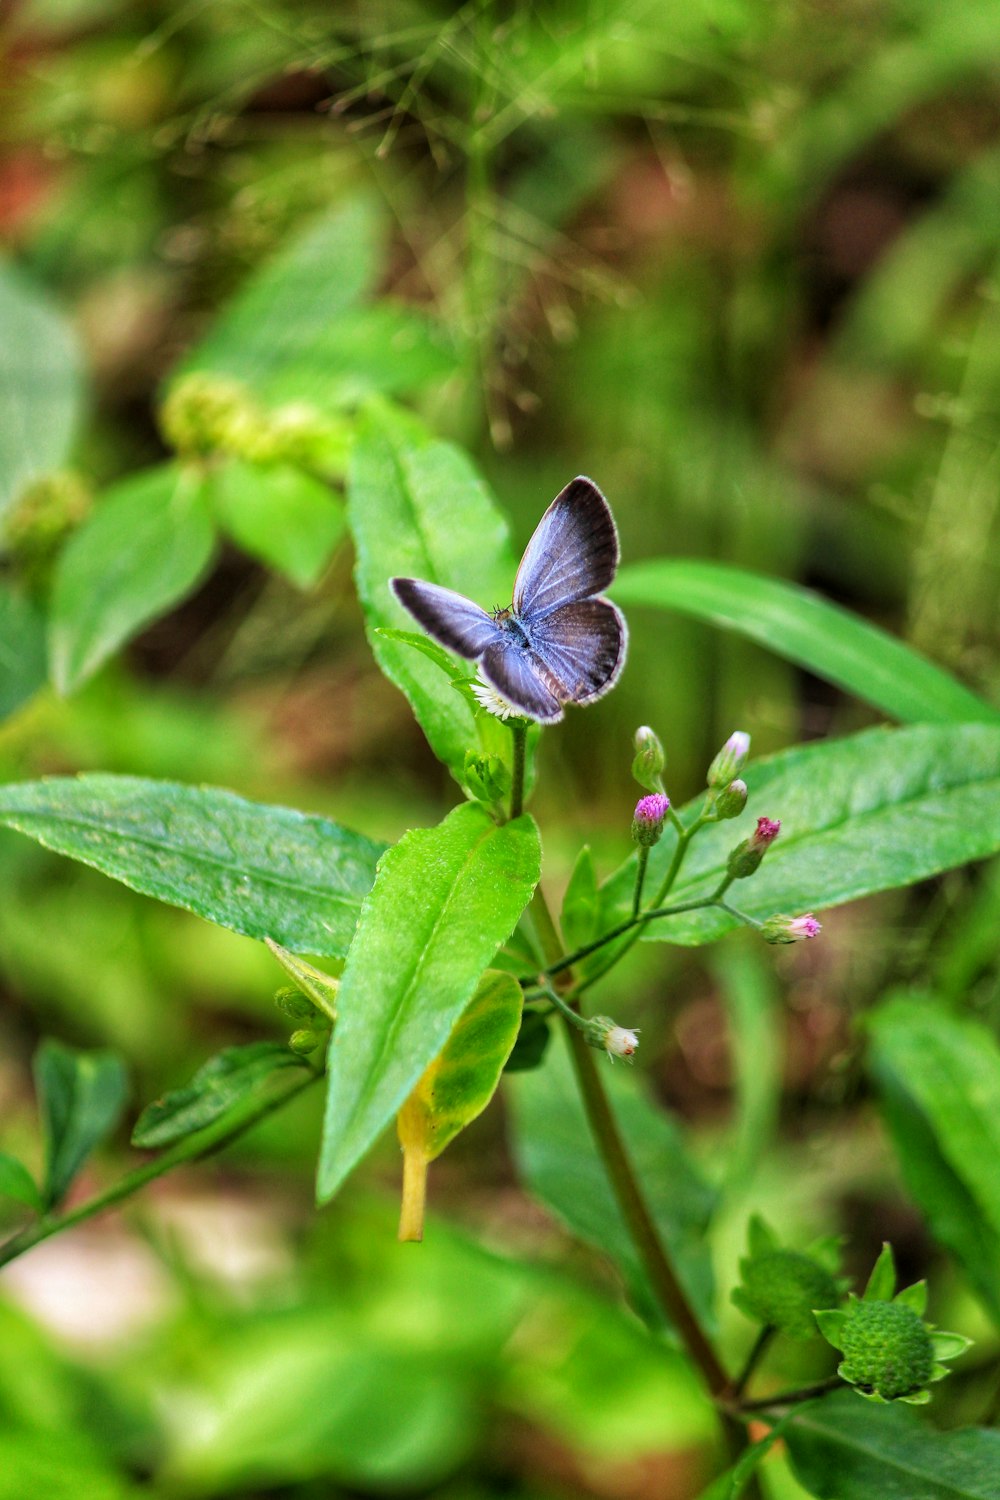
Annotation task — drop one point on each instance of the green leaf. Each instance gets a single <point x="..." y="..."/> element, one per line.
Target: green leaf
<point x="297" y="330"/>
<point x="140" y="553"/>
<point x="260" y="870"/>
<point x="444" y="900"/>
<point x="753" y="1022"/>
<point x="581" y="903"/>
<point x="227" y="1078"/>
<point x="797" y="624"/>
<point x="559" y="1163"/>
<point x="881" y="1284"/>
<point x="879" y="810"/>
<point x="40" y="386"/>
<point x="845" y="1449"/>
<point x="418" y="509"/>
<point x="23" y="658"/>
<point x="457" y="1086"/>
<point x="281" y="515"/>
<point x="938" y="1077"/>
<point x="81" y="1096"/>
<point x="17" y="1182"/>
<point x="732" y="1484"/>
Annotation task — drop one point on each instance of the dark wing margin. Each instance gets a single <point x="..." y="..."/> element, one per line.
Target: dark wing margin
<point x="522" y="680"/>
<point x="583" y="646"/>
<point x="449" y="618"/>
<point x="573" y="553"/>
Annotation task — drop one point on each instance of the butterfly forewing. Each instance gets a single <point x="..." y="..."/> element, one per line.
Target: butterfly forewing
<point x="573" y="553"/>
<point x="581" y="646"/>
<point x="450" y="618"/>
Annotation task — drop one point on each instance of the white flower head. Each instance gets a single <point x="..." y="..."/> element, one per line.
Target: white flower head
<point x="487" y="697"/>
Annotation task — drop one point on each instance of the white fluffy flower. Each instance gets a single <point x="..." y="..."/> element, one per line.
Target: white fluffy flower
<point x="487" y="697"/>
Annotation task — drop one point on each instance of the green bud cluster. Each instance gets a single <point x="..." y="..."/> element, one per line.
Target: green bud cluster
<point x="782" y="1288"/>
<point x="487" y="777"/>
<point x="298" y="1007"/>
<point x="43" y="515"/>
<point x="205" y="415"/>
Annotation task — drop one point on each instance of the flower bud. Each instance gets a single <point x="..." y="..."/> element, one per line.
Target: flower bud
<point x="746" y="857"/>
<point x="648" y="819"/>
<point x="292" y="1003"/>
<point x="784" y="929"/>
<point x="729" y="761"/>
<point x="650" y="760"/>
<point x="607" y="1036"/>
<point x="306" y="1040"/>
<point x="731" y="801"/>
<point x="206" y="413"/>
<point x="45" y="512"/>
<point x="486" y="776"/>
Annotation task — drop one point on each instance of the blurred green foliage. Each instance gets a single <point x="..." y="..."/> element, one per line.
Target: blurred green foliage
<point x="739" y="263"/>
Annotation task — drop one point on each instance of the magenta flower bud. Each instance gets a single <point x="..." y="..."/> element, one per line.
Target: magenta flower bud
<point x="731" y="801"/>
<point x="746" y="857"/>
<point x="648" y="819"/>
<point x="730" y="760"/>
<point x="785" y="929"/>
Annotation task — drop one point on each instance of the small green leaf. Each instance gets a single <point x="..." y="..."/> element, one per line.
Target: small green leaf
<point x="322" y="989"/>
<point x="260" y="870"/>
<point x="40" y="385"/>
<point x="560" y="1165"/>
<point x="418" y="509"/>
<point x="17" y="1182"/>
<point x="23" y="656"/>
<point x="802" y="627"/>
<point x="226" y="1079"/>
<point x="143" y="549"/>
<point x="81" y="1096"/>
<point x="281" y="515"/>
<point x="882" y="1282"/>
<point x="581" y="903"/>
<point x="456" y="1087"/>
<point x="845" y="1449"/>
<point x="746" y="982"/>
<point x="444" y="900"/>
<point x="873" y="812"/>
<point x="732" y="1484"/>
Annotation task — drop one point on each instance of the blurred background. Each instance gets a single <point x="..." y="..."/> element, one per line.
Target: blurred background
<point x="738" y="263"/>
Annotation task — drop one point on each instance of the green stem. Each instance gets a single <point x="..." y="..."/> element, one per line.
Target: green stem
<point x="520" y="734"/>
<point x="793" y="1398"/>
<point x="624" y="1183"/>
<point x="650" y="915"/>
<point x="207" y="1141"/>
<point x="756" y="1354"/>
<point x="640" y="878"/>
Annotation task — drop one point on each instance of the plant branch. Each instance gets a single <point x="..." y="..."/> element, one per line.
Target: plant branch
<point x="520" y="734"/>
<point x="194" y="1148"/>
<point x="760" y="1344"/>
<point x="792" y="1398"/>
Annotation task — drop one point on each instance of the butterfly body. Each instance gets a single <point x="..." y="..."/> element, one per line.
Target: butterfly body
<point x="558" y="642"/>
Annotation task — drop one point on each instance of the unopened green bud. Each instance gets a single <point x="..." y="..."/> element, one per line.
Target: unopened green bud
<point x="730" y="760"/>
<point x="44" y="513"/>
<point x="746" y="857"/>
<point x="292" y="1003"/>
<point x="206" y="414"/>
<point x="650" y="759"/>
<point x="486" y="776"/>
<point x="306" y="1040"/>
<point x="782" y="1288"/>
<point x="731" y="801"/>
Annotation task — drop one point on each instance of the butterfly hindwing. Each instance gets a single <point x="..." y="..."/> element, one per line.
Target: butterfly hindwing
<point x="573" y="553"/>
<point x="582" y="645"/>
<point x="522" y="679"/>
<point x="450" y="618"/>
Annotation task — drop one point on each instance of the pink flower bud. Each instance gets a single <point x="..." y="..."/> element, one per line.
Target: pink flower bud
<point x="765" y="833"/>
<point x="648" y="819"/>
<point x="785" y="929"/>
<point x="746" y="857"/>
<point x="729" y="761"/>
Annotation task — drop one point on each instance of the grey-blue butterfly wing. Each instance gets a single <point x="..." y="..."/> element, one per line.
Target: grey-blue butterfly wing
<point x="581" y="648"/>
<point x="573" y="553"/>
<point x="449" y="618"/>
<point x="522" y="679"/>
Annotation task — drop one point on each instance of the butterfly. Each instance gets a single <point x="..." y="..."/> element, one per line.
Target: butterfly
<point x="559" y="642"/>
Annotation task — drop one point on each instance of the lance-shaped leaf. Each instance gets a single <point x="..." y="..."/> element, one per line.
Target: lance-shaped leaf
<point x="143" y="549"/>
<point x="560" y="1164"/>
<point x="40" y="385"/>
<point x="278" y="513"/>
<point x="81" y="1096"/>
<point x="418" y="509"/>
<point x="456" y="1087"/>
<point x="938" y="1076"/>
<point x="803" y="627"/>
<point x="845" y="1449"/>
<point x="260" y="870"/>
<point x="321" y="989"/>
<point x="879" y="810"/>
<point x="444" y="900"/>
<point x="227" y="1078"/>
<point x="23" y="656"/>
